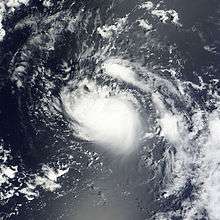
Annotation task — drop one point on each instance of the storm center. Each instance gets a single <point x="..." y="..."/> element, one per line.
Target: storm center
<point x="111" y="122"/>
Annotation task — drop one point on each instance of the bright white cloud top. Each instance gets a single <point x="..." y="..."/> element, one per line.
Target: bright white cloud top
<point x="110" y="121"/>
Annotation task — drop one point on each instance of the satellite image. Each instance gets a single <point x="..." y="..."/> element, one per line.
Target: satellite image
<point x="109" y="110"/>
